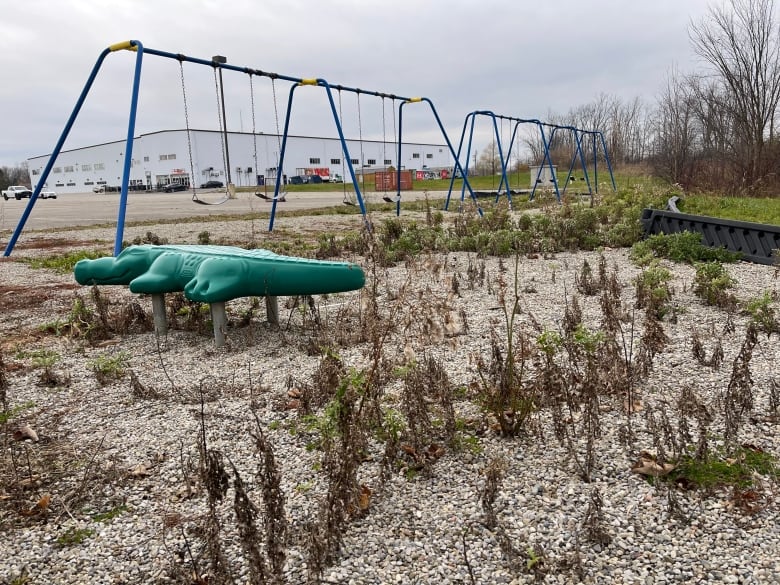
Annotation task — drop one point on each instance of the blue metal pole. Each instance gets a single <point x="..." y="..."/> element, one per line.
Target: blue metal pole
<point x="509" y="150"/>
<point x="280" y="164"/>
<point x="120" y="221"/>
<point x="398" y="169"/>
<point x="595" y="162"/>
<point x="503" y="165"/>
<point x="468" y="157"/>
<point x="609" y="164"/>
<point x="457" y="158"/>
<point x="344" y="148"/>
<point x="582" y="160"/>
<point x="58" y="147"/>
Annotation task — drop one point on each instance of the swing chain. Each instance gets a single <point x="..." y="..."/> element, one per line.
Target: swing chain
<point x="223" y="136"/>
<point x="254" y="126"/>
<point x="384" y="136"/>
<point x="187" y="125"/>
<point x="360" y="138"/>
<point x="345" y="200"/>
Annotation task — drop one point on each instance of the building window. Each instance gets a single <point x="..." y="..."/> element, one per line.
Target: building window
<point x="171" y="157"/>
<point x="429" y="155"/>
<point x="71" y="184"/>
<point x="35" y="172"/>
<point x="88" y="183"/>
<point x="163" y="157"/>
<point x="85" y="168"/>
<point x="69" y="169"/>
<point x="314" y="161"/>
<point x="99" y="167"/>
<point x="146" y="159"/>
<point x="56" y="170"/>
<point x="335" y="161"/>
<point x="388" y="161"/>
<point x="415" y="155"/>
<point x="371" y="161"/>
<point x="59" y="184"/>
<point x="354" y="161"/>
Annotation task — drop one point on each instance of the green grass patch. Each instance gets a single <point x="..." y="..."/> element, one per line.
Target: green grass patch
<point x="110" y="514"/>
<point x="74" y="536"/>
<point x="64" y="263"/>
<point x="753" y="209"/>
<point x="720" y="471"/>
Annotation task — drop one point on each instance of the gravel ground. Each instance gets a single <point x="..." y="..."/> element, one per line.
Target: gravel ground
<point x="109" y="492"/>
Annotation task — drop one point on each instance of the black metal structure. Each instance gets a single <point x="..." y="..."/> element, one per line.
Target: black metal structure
<point x="756" y="241"/>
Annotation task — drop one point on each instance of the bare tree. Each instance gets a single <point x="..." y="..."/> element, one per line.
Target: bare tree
<point x="741" y="42"/>
<point x="489" y="162"/>
<point x="675" y="132"/>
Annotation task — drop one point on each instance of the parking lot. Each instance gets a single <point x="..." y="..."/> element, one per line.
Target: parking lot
<point x="76" y="209"/>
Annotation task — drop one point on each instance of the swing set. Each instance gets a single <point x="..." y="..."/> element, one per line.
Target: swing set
<point x="468" y="125"/>
<point x="218" y="65"/>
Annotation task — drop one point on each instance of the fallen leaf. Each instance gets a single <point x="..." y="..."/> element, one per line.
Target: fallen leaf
<point x="139" y="470"/>
<point x="30" y="481"/>
<point x="364" y="499"/>
<point x="44" y="502"/>
<point x="294" y="393"/>
<point x="292" y="404"/>
<point x="434" y="451"/>
<point x="41" y="506"/>
<point x="409" y="450"/>
<point x="647" y="465"/>
<point x="25" y="432"/>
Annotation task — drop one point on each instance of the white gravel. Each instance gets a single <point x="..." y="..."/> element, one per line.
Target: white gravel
<point x="425" y="529"/>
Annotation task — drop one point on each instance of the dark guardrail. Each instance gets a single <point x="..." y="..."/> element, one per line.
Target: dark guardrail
<point x="756" y="241"/>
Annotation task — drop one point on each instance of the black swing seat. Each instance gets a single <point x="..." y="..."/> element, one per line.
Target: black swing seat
<point x="281" y="197"/>
<point x="201" y="202"/>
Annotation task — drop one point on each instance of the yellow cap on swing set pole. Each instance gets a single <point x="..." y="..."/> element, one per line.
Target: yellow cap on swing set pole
<point x="310" y="81"/>
<point x="414" y="100"/>
<point x="123" y="45"/>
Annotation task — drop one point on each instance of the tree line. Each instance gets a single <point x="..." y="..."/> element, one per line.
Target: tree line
<point x="713" y="129"/>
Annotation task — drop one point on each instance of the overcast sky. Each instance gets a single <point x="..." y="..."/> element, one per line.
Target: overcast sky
<point x="515" y="57"/>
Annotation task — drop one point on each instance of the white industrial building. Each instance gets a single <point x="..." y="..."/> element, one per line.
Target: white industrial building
<point x="161" y="158"/>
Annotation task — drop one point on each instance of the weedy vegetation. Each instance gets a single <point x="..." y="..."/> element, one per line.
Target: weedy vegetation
<point x="381" y="406"/>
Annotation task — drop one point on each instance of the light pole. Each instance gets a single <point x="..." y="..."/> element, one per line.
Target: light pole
<point x="219" y="59"/>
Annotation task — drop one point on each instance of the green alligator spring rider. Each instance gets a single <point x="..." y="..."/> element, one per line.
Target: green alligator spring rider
<point x="217" y="274"/>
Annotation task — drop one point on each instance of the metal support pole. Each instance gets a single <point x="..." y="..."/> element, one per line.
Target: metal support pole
<point x="272" y="310"/>
<point x="158" y="314"/>
<point x="219" y="319"/>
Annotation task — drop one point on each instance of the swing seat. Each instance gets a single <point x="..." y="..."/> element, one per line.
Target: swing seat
<point x="392" y="199"/>
<point x="281" y="197"/>
<point x="225" y="199"/>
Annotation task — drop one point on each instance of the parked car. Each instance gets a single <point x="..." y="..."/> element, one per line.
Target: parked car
<point x="211" y="185"/>
<point x="99" y="189"/>
<point x="298" y="179"/>
<point x="47" y="195"/>
<point x="17" y="192"/>
<point x="176" y="187"/>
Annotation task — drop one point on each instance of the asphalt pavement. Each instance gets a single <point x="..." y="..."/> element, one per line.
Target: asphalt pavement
<point x="79" y="209"/>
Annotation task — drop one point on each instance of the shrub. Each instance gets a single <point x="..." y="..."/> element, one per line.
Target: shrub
<point x="712" y="283"/>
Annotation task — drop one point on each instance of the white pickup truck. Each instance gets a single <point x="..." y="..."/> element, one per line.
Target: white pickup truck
<point x="17" y="192"/>
<point x="20" y="192"/>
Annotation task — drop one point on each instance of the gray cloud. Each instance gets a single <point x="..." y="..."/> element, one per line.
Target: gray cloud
<point x="514" y="57"/>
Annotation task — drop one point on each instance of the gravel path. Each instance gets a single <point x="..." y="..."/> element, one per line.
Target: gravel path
<point x="119" y="462"/>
